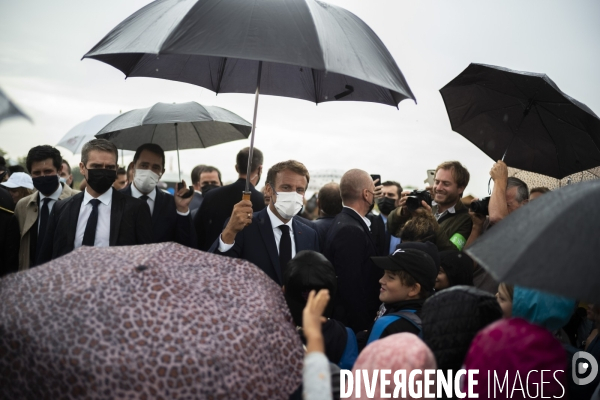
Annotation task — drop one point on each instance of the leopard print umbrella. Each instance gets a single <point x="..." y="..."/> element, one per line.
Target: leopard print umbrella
<point x="146" y="322"/>
<point x="534" y="180"/>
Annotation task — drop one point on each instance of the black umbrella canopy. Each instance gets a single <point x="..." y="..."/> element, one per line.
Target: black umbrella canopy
<point x="525" y="118"/>
<point x="309" y="49"/>
<point x="175" y="127"/>
<point x="9" y="109"/>
<point x="552" y="244"/>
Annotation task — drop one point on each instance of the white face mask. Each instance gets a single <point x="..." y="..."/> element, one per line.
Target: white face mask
<point x="288" y="204"/>
<point x="145" y="180"/>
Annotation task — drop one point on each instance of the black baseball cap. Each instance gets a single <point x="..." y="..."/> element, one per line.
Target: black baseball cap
<point x="427" y="247"/>
<point x="416" y="263"/>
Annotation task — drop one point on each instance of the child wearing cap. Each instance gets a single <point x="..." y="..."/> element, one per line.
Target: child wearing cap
<point x="408" y="280"/>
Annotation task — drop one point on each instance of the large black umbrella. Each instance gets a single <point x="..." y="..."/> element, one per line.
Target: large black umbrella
<point x="552" y="244"/>
<point x="305" y="49"/>
<point x="524" y="119"/>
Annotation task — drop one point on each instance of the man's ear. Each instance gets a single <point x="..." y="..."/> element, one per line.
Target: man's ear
<point x="81" y="168"/>
<point x="237" y="169"/>
<point x="461" y="190"/>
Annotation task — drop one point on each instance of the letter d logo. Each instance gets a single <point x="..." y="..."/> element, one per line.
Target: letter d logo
<point x="583" y="367"/>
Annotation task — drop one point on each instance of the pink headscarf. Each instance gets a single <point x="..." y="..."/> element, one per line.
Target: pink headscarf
<point x="516" y="345"/>
<point x="401" y="351"/>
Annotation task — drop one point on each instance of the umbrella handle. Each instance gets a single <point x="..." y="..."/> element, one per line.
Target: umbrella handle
<point x="246" y="195"/>
<point x="251" y="151"/>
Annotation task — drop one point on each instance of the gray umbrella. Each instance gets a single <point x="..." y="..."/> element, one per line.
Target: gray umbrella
<point x="8" y="109"/>
<point x="175" y="126"/>
<point x="552" y="244"/>
<point x="304" y="49"/>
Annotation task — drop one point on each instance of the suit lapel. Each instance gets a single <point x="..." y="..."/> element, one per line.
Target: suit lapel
<point x="74" y="218"/>
<point x="159" y="201"/>
<point x="299" y="238"/>
<point x="116" y="213"/>
<point x="31" y="216"/>
<point x="266" y="231"/>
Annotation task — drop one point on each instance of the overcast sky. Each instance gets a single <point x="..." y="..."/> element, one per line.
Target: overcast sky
<point x="42" y="42"/>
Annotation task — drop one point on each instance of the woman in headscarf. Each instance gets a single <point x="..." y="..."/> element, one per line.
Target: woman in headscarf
<point x="520" y="351"/>
<point x="401" y="351"/>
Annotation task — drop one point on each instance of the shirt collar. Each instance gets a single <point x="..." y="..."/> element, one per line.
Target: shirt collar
<point x="383" y="217"/>
<point x="275" y="221"/>
<point x="451" y="210"/>
<point x="137" y="194"/>
<point x="53" y="196"/>
<point x="105" y="198"/>
<point x="365" y="219"/>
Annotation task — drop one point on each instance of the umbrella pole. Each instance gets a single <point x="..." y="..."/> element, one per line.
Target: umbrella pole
<point x="177" y="145"/>
<point x="246" y="194"/>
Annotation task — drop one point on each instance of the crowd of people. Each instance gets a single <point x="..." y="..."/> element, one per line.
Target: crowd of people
<point x="395" y="286"/>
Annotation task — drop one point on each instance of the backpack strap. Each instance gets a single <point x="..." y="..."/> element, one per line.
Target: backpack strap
<point x="350" y="352"/>
<point x="383" y="322"/>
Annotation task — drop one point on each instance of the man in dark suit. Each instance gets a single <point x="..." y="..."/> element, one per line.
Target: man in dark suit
<point x="329" y="202"/>
<point x="349" y="247"/>
<point x="270" y="238"/>
<point x="171" y="219"/>
<point x="390" y="197"/>
<point x="100" y="216"/>
<point x="218" y="203"/>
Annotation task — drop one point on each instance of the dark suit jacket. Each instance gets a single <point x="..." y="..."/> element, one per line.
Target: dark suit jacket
<point x="256" y="243"/>
<point x="380" y="236"/>
<point x="216" y="208"/>
<point x="322" y="225"/>
<point x="130" y="224"/>
<point x="167" y="224"/>
<point x="349" y="247"/>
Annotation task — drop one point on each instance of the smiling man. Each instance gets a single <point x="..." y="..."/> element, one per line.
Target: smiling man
<point x="270" y="238"/>
<point x="100" y="216"/>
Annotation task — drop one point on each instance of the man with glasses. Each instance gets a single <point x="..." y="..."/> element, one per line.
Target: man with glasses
<point x="349" y="247"/>
<point x="100" y="216"/>
<point x="45" y="164"/>
<point x="171" y="219"/>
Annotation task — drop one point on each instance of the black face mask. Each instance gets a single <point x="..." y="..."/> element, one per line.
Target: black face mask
<point x="100" y="180"/>
<point x="386" y="205"/>
<point x="46" y="185"/>
<point x="206" y="188"/>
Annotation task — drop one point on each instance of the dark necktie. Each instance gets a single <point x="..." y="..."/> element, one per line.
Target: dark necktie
<point x="145" y="198"/>
<point x="44" y="212"/>
<point x="89" y="236"/>
<point x="285" y="247"/>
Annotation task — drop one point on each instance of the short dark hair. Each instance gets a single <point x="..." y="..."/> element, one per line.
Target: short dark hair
<point x="98" y="145"/>
<point x="330" y="199"/>
<point x="208" y="168"/>
<point x="308" y="270"/>
<point x="68" y="165"/>
<point x="241" y="160"/>
<point x="292" y="165"/>
<point x="408" y="280"/>
<point x="421" y="227"/>
<point x="196" y="173"/>
<point x="541" y="189"/>
<point x="522" y="189"/>
<point x="41" y="153"/>
<point x="152" y="148"/>
<point x="16" y="168"/>
<point x="393" y="183"/>
<point x="121" y="171"/>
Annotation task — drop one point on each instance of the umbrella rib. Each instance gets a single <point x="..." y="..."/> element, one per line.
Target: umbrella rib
<point x="483" y="112"/>
<point x="198" y="133"/>
<point x="551" y="138"/>
<point x="153" y="131"/>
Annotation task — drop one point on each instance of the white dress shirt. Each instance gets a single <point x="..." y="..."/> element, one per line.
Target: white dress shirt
<point x="103" y="227"/>
<point x="54" y="198"/>
<point x="275" y="223"/>
<point x="367" y="220"/>
<point x="451" y="210"/>
<point x="151" y="197"/>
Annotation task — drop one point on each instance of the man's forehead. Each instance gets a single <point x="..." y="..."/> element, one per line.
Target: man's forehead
<point x="288" y="176"/>
<point x="47" y="163"/>
<point x="444" y="175"/>
<point x="96" y="156"/>
<point x="150" y="157"/>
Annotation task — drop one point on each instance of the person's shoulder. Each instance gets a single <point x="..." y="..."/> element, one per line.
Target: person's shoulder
<point x="22" y="204"/>
<point x="68" y="192"/>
